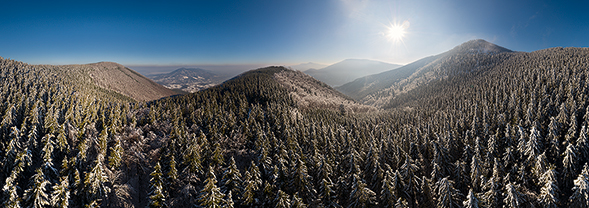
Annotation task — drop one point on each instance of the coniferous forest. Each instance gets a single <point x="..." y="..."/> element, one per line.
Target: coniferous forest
<point x="506" y="129"/>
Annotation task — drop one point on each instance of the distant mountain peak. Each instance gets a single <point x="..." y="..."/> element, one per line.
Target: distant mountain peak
<point x="307" y="66"/>
<point x="348" y="70"/>
<point x="184" y="69"/>
<point x="479" y="46"/>
<point x="357" y="59"/>
<point x="188" y="69"/>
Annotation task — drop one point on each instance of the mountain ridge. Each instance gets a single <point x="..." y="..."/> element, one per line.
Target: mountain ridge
<point x="308" y="66"/>
<point x="118" y="78"/>
<point x="378" y="89"/>
<point x="107" y="79"/>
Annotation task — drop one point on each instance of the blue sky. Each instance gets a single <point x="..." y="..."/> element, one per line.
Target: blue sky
<point x="280" y="32"/>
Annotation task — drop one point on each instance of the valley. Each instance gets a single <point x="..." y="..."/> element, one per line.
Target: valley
<point x="188" y="80"/>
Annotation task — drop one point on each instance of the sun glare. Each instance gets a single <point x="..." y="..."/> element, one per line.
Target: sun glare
<point x="396" y="32"/>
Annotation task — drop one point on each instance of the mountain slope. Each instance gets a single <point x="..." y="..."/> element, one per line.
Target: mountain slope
<point x="470" y="57"/>
<point x="187" y="79"/>
<point x="309" y="92"/>
<point x="348" y="70"/>
<point x="303" y="90"/>
<point x="118" y="78"/>
<point x="103" y="80"/>
<point x="506" y="71"/>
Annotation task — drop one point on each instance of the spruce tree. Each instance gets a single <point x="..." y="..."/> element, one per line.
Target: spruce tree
<point x="95" y="181"/>
<point x="173" y="172"/>
<point x="47" y="154"/>
<point x="540" y="165"/>
<point x="297" y="202"/>
<point x="327" y="193"/>
<point x="569" y="163"/>
<point x="426" y="199"/>
<point x="471" y="200"/>
<point x="571" y="134"/>
<point x="210" y="195"/>
<point x="252" y="184"/>
<point x="447" y="196"/>
<point x="62" y="142"/>
<point x="582" y="145"/>
<point x="491" y="196"/>
<point x="12" y="199"/>
<point x="12" y="149"/>
<point x="193" y="159"/>
<point x="512" y="197"/>
<point x="282" y="200"/>
<point x="533" y="146"/>
<point x="32" y="137"/>
<point x="301" y="180"/>
<point x="228" y="201"/>
<point x="411" y="182"/>
<point x="476" y="173"/>
<point x="361" y="195"/>
<point x="36" y="195"/>
<point x="157" y="197"/>
<point x="580" y="196"/>
<point x="549" y="195"/>
<point x="116" y="155"/>
<point x="217" y="155"/>
<point x="388" y="191"/>
<point x="231" y="180"/>
<point x="60" y="197"/>
<point x="553" y="137"/>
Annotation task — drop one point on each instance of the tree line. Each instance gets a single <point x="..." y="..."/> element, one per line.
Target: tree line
<point x="511" y="136"/>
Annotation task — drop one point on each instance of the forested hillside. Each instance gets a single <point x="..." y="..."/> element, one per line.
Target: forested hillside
<point x="471" y="57"/>
<point x="308" y="92"/>
<point x="514" y="135"/>
<point x="120" y="79"/>
<point x="55" y="132"/>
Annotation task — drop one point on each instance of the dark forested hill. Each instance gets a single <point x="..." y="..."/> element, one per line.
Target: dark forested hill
<point x="188" y="79"/>
<point x="348" y="70"/>
<point x="510" y="134"/>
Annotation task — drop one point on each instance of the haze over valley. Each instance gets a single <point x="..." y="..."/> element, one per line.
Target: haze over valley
<point x="188" y="79"/>
<point x="348" y="70"/>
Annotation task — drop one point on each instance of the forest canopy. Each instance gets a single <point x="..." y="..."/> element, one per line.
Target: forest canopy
<point x="513" y="134"/>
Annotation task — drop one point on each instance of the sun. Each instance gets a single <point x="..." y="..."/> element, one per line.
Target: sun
<point x="396" y="32"/>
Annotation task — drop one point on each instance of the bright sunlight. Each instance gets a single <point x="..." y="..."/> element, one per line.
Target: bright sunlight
<point x="396" y="32"/>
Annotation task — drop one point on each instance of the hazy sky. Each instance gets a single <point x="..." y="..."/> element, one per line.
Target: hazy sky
<point x="282" y="32"/>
